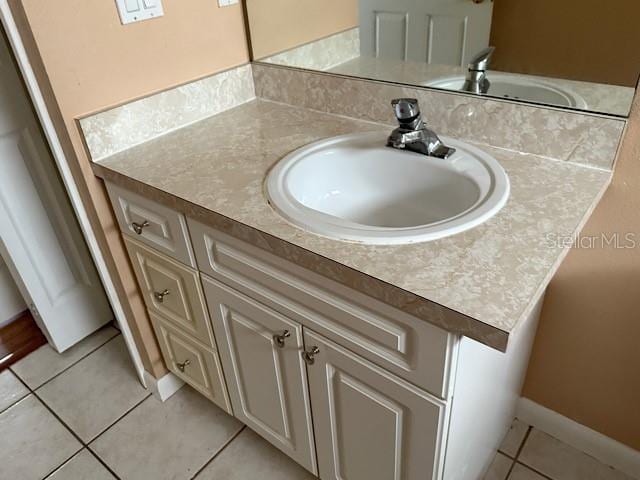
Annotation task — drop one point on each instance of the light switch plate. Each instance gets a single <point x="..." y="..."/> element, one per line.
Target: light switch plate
<point x="136" y="10"/>
<point x="226" y="3"/>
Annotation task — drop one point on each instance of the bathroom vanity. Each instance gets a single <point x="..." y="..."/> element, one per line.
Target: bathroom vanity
<point x="358" y="361"/>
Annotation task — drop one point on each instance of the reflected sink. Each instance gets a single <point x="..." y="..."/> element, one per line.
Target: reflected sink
<point x="355" y="188"/>
<point x="517" y="87"/>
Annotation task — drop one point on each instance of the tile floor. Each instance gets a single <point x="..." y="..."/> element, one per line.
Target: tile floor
<point x="83" y="415"/>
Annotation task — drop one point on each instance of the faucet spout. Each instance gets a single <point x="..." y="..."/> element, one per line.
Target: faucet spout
<point x="413" y="134"/>
<point x="477" y="81"/>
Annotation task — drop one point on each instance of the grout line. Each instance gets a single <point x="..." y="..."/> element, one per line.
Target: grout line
<point x="215" y="455"/>
<point x="519" y="451"/>
<point x="82" y="442"/>
<point x="59" y="419"/>
<point x="82" y="445"/>
<point x="546" y="477"/>
<point x="102" y="462"/>
<point x="524" y="441"/>
<point x="64" y="424"/>
<point x="55" y="469"/>
<point x="95" y="437"/>
<point x="16" y="402"/>
<point x="68" y="366"/>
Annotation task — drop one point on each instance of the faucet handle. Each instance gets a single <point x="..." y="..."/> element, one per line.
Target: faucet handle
<point x="480" y="61"/>
<point x="407" y="112"/>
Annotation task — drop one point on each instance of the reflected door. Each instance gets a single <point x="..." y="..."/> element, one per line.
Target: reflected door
<point x="445" y="32"/>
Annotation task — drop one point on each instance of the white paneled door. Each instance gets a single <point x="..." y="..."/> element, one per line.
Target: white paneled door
<point x="39" y="236"/>
<point x="446" y="32"/>
<point x="369" y="424"/>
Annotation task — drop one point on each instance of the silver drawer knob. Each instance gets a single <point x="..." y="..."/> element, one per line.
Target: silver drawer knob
<point x="183" y="365"/>
<point x="279" y="338"/>
<point x="159" y="296"/>
<point x="309" y="355"/>
<point x="138" y="227"/>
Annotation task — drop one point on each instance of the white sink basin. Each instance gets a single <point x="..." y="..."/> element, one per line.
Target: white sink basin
<point x="355" y="188"/>
<point x="518" y="87"/>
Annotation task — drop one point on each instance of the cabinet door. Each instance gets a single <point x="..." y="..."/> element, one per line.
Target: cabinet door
<point x="267" y="379"/>
<point x="369" y="424"/>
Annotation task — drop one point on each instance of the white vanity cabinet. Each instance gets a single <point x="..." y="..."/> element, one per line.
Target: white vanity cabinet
<point x="347" y="386"/>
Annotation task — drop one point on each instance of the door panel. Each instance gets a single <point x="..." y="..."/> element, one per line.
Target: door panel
<point x="445" y="32"/>
<point x="369" y="424"/>
<point x="267" y="383"/>
<point x="40" y="239"/>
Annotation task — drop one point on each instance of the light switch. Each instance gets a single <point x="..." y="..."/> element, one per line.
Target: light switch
<point x="132" y="5"/>
<point x="137" y="10"/>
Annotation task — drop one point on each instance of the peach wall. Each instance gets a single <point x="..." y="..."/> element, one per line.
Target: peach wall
<point x="86" y="61"/>
<point x="575" y="39"/>
<point x="284" y="24"/>
<point x="586" y="358"/>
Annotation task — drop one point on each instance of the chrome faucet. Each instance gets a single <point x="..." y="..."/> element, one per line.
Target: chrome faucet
<point x="477" y="81"/>
<point x="413" y="134"/>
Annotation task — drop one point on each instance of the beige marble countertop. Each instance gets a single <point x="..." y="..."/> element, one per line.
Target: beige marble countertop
<point x="481" y="283"/>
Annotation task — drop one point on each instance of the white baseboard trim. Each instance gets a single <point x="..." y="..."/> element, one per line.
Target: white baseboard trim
<point x="599" y="446"/>
<point x="164" y="387"/>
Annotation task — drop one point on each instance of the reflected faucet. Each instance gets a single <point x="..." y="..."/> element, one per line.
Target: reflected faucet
<point x="477" y="81"/>
<point x="413" y="134"/>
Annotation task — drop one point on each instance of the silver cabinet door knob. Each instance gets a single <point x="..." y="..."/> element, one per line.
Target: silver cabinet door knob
<point x="309" y="355"/>
<point x="138" y="227"/>
<point x="159" y="296"/>
<point x="279" y="338"/>
<point x="183" y="365"/>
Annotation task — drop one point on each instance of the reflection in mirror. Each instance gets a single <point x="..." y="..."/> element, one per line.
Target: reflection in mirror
<point x="578" y="54"/>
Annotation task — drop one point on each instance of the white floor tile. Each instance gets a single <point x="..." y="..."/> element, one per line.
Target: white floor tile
<point x="499" y="468"/>
<point x="559" y="461"/>
<point x="514" y="438"/>
<point x="32" y="441"/>
<point x="96" y="391"/>
<point x="45" y="363"/>
<point x="520" y="472"/>
<point x="84" y="466"/>
<point x="170" y="440"/>
<point x="11" y="390"/>
<point x="250" y="457"/>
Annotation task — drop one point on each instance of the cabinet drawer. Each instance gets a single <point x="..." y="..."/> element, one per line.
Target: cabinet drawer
<point x="152" y="223"/>
<point x="409" y="347"/>
<point x="194" y="363"/>
<point x="172" y="290"/>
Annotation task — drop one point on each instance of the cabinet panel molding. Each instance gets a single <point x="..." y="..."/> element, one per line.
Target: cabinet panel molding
<point x="411" y="348"/>
<point x="369" y="423"/>
<point x="172" y="290"/>
<point x="267" y="380"/>
<point x="196" y="364"/>
<point x="152" y="224"/>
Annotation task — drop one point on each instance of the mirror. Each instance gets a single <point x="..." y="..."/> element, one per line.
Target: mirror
<point x="574" y="54"/>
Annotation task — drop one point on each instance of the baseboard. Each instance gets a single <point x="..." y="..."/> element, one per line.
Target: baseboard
<point x="12" y="319"/>
<point x="164" y="387"/>
<point x="599" y="446"/>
